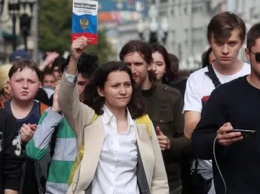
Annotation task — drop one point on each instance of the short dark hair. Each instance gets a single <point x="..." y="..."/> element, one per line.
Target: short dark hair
<point x="46" y="71"/>
<point x="19" y="65"/>
<point x="58" y="61"/>
<point x="169" y="75"/>
<point x="87" y="64"/>
<point x="95" y="101"/>
<point x="143" y="48"/>
<point x="252" y="35"/>
<point x="221" y="25"/>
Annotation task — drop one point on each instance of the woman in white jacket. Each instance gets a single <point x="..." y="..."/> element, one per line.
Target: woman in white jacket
<point x="121" y="151"/>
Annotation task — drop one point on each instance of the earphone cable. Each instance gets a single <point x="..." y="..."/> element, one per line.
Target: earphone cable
<point x="215" y="159"/>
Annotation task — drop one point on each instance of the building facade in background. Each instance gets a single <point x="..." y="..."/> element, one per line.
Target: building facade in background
<point x="187" y="24"/>
<point x="188" y="20"/>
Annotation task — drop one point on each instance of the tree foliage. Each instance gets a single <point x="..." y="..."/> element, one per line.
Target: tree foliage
<point x="103" y="49"/>
<point x="55" y="30"/>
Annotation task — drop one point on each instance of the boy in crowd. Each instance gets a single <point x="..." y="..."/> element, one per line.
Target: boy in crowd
<point x="24" y="82"/>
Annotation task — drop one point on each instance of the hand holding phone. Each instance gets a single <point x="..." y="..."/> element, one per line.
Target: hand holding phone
<point x="225" y="136"/>
<point x="244" y="132"/>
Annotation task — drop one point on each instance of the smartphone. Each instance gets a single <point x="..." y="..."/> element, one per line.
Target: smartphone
<point x="244" y="132"/>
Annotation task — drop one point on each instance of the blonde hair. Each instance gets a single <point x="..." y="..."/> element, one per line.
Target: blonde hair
<point x="4" y="70"/>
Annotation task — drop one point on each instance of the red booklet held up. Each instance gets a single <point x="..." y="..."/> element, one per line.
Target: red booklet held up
<point x="85" y="20"/>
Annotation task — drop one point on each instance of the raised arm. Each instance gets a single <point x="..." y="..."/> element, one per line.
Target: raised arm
<point x="77" y="48"/>
<point x="77" y="114"/>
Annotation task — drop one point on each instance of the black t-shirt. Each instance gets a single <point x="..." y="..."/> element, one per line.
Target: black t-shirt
<point x="29" y="180"/>
<point x="32" y="118"/>
<point x="236" y="102"/>
<point x="11" y="156"/>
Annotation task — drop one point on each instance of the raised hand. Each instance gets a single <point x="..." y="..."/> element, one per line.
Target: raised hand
<point x="55" y="105"/>
<point x="77" y="48"/>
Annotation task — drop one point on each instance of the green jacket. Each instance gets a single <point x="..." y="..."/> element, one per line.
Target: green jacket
<point x="164" y="106"/>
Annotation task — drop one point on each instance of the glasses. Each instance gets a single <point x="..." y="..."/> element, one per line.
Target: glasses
<point x="257" y="56"/>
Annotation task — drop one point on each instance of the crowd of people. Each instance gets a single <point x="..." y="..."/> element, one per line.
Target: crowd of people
<point x="133" y="126"/>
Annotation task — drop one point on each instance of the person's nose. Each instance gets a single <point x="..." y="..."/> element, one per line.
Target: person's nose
<point x="25" y="84"/>
<point x="225" y="49"/>
<point x="153" y="67"/>
<point x="122" y="90"/>
<point x="132" y="67"/>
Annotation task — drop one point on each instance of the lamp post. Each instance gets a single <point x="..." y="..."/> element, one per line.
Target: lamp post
<point x="154" y="29"/>
<point x="13" y="8"/>
<point x="22" y="9"/>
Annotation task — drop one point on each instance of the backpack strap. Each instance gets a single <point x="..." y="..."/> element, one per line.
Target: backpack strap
<point x="212" y="75"/>
<point x="145" y="119"/>
<point x="43" y="107"/>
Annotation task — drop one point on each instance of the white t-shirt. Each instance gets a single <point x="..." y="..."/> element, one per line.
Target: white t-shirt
<point x="199" y="86"/>
<point x="198" y="89"/>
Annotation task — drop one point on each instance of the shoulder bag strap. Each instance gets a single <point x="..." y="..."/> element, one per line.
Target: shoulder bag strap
<point x="212" y="75"/>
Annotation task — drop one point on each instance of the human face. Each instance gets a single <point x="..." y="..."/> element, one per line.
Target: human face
<point x="49" y="81"/>
<point x="139" y="68"/>
<point x="160" y="65"/>
<point x="24" y="85"/>
<point x="82" y="82"/>
<point x="117" y="90"/>
<point x="255" y="65"/>
<point x="226" y="53"/>
<point x="57" y="73"/>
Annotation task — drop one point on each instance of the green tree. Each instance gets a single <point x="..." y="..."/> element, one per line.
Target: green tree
<point x="55" y="25"/>
<point x="103" y="49"/>
<point x="55" y="30"/>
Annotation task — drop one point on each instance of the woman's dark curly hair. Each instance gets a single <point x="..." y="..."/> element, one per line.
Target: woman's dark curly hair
<point x="95" y="101"/>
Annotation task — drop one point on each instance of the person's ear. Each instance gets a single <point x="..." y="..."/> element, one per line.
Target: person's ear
<point x="100" y="92"/>
<point x="6" y="89"/>
<point x="247" y="53"/>
<point x="8" y="84"/>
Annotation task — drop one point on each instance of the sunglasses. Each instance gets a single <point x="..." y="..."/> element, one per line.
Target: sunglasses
<point x="257" y="56"/>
